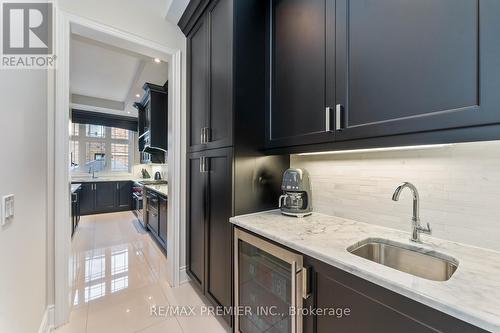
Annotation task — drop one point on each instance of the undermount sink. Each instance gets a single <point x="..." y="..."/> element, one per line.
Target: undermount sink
<point x="414" y="260"/>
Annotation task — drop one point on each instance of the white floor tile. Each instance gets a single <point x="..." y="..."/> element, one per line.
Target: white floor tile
<point x="118" y="273"/>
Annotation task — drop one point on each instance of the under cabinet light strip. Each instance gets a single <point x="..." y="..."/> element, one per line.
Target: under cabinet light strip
<point x="372" y="150"/>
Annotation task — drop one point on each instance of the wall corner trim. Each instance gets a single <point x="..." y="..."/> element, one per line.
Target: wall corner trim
<point x="47" y="324"/>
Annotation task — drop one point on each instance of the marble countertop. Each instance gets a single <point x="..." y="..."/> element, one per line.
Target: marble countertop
<point x="105" y="179"/>
<point x="472" y="294"/>
<point x="75" y="187"/>
<point x="161" y="189"/>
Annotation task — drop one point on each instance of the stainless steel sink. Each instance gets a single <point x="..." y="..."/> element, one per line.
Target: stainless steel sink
<point x="414" y="260"/>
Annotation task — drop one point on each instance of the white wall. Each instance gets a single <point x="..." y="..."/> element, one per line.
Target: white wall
<point x="459" y="188"/>
<point x="23" y="172"/>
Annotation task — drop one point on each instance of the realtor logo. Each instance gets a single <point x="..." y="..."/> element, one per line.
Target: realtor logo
<point x="27" y="31"/>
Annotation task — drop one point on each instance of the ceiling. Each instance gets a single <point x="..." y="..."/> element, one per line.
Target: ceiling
<point x="107" y="79"/>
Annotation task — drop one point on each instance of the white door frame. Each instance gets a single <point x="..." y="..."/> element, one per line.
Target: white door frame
<point x="65" y="22"/>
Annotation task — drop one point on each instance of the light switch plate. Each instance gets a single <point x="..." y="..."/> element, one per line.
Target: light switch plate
<point x="7" y="209"/>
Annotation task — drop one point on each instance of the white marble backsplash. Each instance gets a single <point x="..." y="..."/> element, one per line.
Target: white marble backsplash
<point x="459" y="188"/>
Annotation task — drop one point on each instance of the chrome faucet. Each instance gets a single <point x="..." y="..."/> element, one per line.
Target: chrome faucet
<point x="417" y="228"/>
<point x="92" y="171"/>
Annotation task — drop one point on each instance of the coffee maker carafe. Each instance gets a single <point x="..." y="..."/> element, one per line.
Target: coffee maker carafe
<point x="296" y="199"/>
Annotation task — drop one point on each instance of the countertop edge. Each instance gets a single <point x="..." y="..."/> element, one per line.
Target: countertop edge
<point x="447" y="308"/>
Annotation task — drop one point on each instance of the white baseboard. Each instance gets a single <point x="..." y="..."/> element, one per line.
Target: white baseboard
<point x="183" y="276"/>
<point x="47" y="323"/>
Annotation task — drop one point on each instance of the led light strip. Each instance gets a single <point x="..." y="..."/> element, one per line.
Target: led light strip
<point x="372" y="150"/>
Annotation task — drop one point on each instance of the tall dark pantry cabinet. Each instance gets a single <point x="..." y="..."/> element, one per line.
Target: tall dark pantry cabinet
<point x="227" y="172"/>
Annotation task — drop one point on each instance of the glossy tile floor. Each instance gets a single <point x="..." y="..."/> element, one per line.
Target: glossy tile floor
<point x="119" y="273"/>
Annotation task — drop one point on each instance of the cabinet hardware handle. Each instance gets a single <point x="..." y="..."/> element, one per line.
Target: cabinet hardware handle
<point x="202" y="164"/>
<point x="338" y="117"/>
<point x="202" y="136"/>
<point x="207" y="134"/>
<point x="328" y="112"/>
<point x="306" y="292"/>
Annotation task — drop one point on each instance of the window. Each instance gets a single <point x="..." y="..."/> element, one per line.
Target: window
<point x="95" y="131"/>
<point x="100" y="149"/>
<point x="74" y="153"/>
<point x="119" y="157"/>
<point x="119" y="133"/>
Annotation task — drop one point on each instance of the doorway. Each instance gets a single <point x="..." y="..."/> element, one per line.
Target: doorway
<point x="70" y="25"/>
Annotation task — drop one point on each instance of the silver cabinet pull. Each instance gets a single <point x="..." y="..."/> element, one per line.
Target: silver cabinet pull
<point x="338" y="117"/>
<point x="306" y="291"/>
<point x="202" y="161"/>
<point x="208" y="135"/>
<point x="205" y="135"/>
<point x="204" y="164"/>
<point x="328" y="112"/>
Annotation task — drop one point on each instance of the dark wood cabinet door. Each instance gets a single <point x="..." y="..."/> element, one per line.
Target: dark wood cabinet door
<point x="197" y="47"/>
<point x="105" y="196"/>
<point x="220" y="119"/>
<point x="412" y="66"/>
<point x="219" y="230"/>
<point x="87" y="199"/>
<point x="371" y="307"/>
<point x="302" y="72"/>
<point x="124" y="195"/>
<point x="196" y="201"/>
<point x="163" y="219"/>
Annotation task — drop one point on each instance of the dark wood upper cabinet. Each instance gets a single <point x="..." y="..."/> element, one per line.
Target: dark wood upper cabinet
<point x="413" y="66"/>
<point x="302" y="72"/>
<point x="210" y="78"/>
<point x="220" y="120"/>
<point x="372" y="69"/>
<point x="198" y="83"/>
<point x="153" y="123"/>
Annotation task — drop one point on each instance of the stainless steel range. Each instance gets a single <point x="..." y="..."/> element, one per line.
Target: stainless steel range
<point x="138" y="198"/>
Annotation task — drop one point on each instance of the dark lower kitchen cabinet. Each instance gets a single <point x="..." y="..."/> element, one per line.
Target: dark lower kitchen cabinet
<point x="155" y="210"/>
<point x="123" y="199"/>
<point x="218" y="167"/>
<point x="75" y="210"/>
<point x="162" y="222"/>
<point x="196" y="203"/>
<point x="87" y="199"/>
<point x="105" y="197"/>
<point x="220" y="186"/>
<point x="357" y="73"/>
<point x="370" y="308"/>
<point x="209" y="230"/>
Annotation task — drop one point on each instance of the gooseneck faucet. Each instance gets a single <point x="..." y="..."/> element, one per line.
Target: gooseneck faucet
<point x="417" y="229"/>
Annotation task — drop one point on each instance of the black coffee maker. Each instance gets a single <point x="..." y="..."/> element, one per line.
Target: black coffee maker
<point x="296" y="199"/>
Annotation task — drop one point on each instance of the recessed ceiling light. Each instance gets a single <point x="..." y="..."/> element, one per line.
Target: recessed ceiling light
<point x="128" y="111"/>
<point x="137" y="95"/>
<point x="157" y="60"/>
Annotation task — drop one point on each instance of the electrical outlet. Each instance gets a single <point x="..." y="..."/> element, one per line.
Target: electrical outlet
<point x="7" y="209"/>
